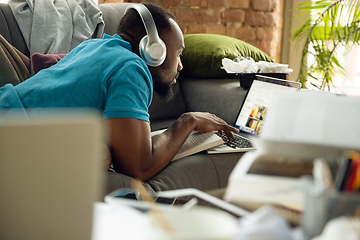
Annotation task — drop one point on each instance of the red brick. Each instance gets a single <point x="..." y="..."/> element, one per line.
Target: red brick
<point x="276" y="5"/>
<point x="230" y="31"/>
<point x="167" y="3"/>
<point x="270" y="19"/>
<point x="262" y="5"/>
<point x="234" y="25"/>
<point x="264" y="34"/>
<point x="243" y="4"/>
<point x="245" y="33"/>
<point x="191" y="3"/>
<point x="216" y="3"/>
<point x="214" y="15"/>
<point x="263" y="46"/>
<point x="185" y="15"/>
<point x="171" y="10"/>
<point x="216" y="29"/>
<point x="196" y="28"/>
<point x="204" y="4"/>
<point x="259" y="19"/>
<point x="197" y="15"/>
<point x="194" y="3"/>
<point x="233" y="15"/>
<point x="183" y="28"/>
<point x="266" y="47"/>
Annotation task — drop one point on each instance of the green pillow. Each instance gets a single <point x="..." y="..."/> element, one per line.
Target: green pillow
<point x="203" y="54"/>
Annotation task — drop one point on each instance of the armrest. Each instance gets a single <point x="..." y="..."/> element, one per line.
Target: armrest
<point x="222" y="97"/>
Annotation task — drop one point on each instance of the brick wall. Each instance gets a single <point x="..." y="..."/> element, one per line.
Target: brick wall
<point x="258" y="22"/>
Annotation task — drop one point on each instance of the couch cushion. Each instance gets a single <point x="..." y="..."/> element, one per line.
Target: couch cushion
<point x="41" y="61"/>
<point x="222" y="97"/>
<point x="203" y="54"/>
<point x="201" y="171"/>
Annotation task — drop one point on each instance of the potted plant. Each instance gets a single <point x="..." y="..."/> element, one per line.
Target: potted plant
<point x="333" y="26"/>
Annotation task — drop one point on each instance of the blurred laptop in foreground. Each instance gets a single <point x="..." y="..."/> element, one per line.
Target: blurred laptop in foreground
<point x="49" y="175"/>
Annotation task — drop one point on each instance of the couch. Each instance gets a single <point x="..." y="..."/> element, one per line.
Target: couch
<point x="222" y="97"/>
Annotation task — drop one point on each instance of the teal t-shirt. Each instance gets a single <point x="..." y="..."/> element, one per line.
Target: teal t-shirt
<point x="100" y="73"/>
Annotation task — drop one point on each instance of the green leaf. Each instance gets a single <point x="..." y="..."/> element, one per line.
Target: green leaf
<point x="334" y="24"/>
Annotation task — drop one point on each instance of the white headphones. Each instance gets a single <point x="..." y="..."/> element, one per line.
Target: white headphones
<point x="152" y="49"/>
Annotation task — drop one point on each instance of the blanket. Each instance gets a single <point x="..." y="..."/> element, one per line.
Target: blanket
<point x="15" y="66"/>
<point x="57" y="26"/>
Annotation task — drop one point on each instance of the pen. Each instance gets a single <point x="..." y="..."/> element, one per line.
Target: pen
<point x="356" y="178"/>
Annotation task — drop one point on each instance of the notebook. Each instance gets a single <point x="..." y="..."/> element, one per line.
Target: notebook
<point x="49" y="175"/>
<point x="253" y="112"/>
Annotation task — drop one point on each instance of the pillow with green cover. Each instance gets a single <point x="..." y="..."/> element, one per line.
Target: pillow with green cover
<point x="204" y="52"/>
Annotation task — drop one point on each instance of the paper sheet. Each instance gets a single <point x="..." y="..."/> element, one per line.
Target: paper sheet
<point x="314" y="118"/>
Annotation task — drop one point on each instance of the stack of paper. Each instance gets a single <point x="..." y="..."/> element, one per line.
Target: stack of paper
<point x="299" y="128"/>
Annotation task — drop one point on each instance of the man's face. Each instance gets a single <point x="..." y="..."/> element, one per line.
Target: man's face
<point x="166" y="74"/>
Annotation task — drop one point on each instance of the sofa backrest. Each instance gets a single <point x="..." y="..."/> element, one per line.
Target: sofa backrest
<point x="112" y="14"/>
<point x="10" y="30"/>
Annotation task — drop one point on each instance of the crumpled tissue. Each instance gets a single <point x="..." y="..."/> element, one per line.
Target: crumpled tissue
<point x="265" y="224"/>
<point x="248" y="65"/>
<point x="346" y="228"/>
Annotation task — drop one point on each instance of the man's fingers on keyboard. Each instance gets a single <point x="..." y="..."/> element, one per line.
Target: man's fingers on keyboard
<point x="233" y="129"/>
<point x="229" y="135"/>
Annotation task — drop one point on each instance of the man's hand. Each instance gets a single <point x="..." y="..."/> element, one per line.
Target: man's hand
<point x="207" y="122"/>
<point x="135" y="153"/>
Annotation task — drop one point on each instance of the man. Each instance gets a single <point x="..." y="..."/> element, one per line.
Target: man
<point x="108" y="74"/>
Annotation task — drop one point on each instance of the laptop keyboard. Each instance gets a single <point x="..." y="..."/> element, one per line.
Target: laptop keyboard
<point x="238" y="142"/>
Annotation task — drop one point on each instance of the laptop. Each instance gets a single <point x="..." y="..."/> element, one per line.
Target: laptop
<point x="49" y="175"/>
<point x="253" y="112"/>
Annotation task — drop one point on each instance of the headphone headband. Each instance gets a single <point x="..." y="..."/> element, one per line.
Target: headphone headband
<point x="152" y="49"/>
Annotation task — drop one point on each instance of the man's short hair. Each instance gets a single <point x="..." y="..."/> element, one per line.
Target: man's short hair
<point x="132" y="26"/>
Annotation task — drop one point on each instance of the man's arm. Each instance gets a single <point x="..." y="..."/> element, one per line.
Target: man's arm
<point x="137" y="154"/>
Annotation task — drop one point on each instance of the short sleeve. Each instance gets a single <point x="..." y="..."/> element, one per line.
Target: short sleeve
<point x="128" y="92"/>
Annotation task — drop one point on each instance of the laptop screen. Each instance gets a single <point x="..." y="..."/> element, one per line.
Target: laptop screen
<point x="257" y="100"/>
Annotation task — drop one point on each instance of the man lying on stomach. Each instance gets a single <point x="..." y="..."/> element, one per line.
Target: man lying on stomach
<point x="108" y="74"/>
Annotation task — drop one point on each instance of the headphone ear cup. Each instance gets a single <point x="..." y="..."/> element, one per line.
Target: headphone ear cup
<point x="153" y="55"/>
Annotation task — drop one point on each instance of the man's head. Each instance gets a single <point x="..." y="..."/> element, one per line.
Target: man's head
<point x="132" y="29"/>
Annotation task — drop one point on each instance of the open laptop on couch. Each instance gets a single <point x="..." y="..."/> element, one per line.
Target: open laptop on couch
<point x="253" y="112"/>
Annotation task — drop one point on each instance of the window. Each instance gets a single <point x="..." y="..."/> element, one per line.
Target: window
<point x="291" y="54"/>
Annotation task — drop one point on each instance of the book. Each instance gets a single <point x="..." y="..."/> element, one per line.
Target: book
<point x="196" y="142"/>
